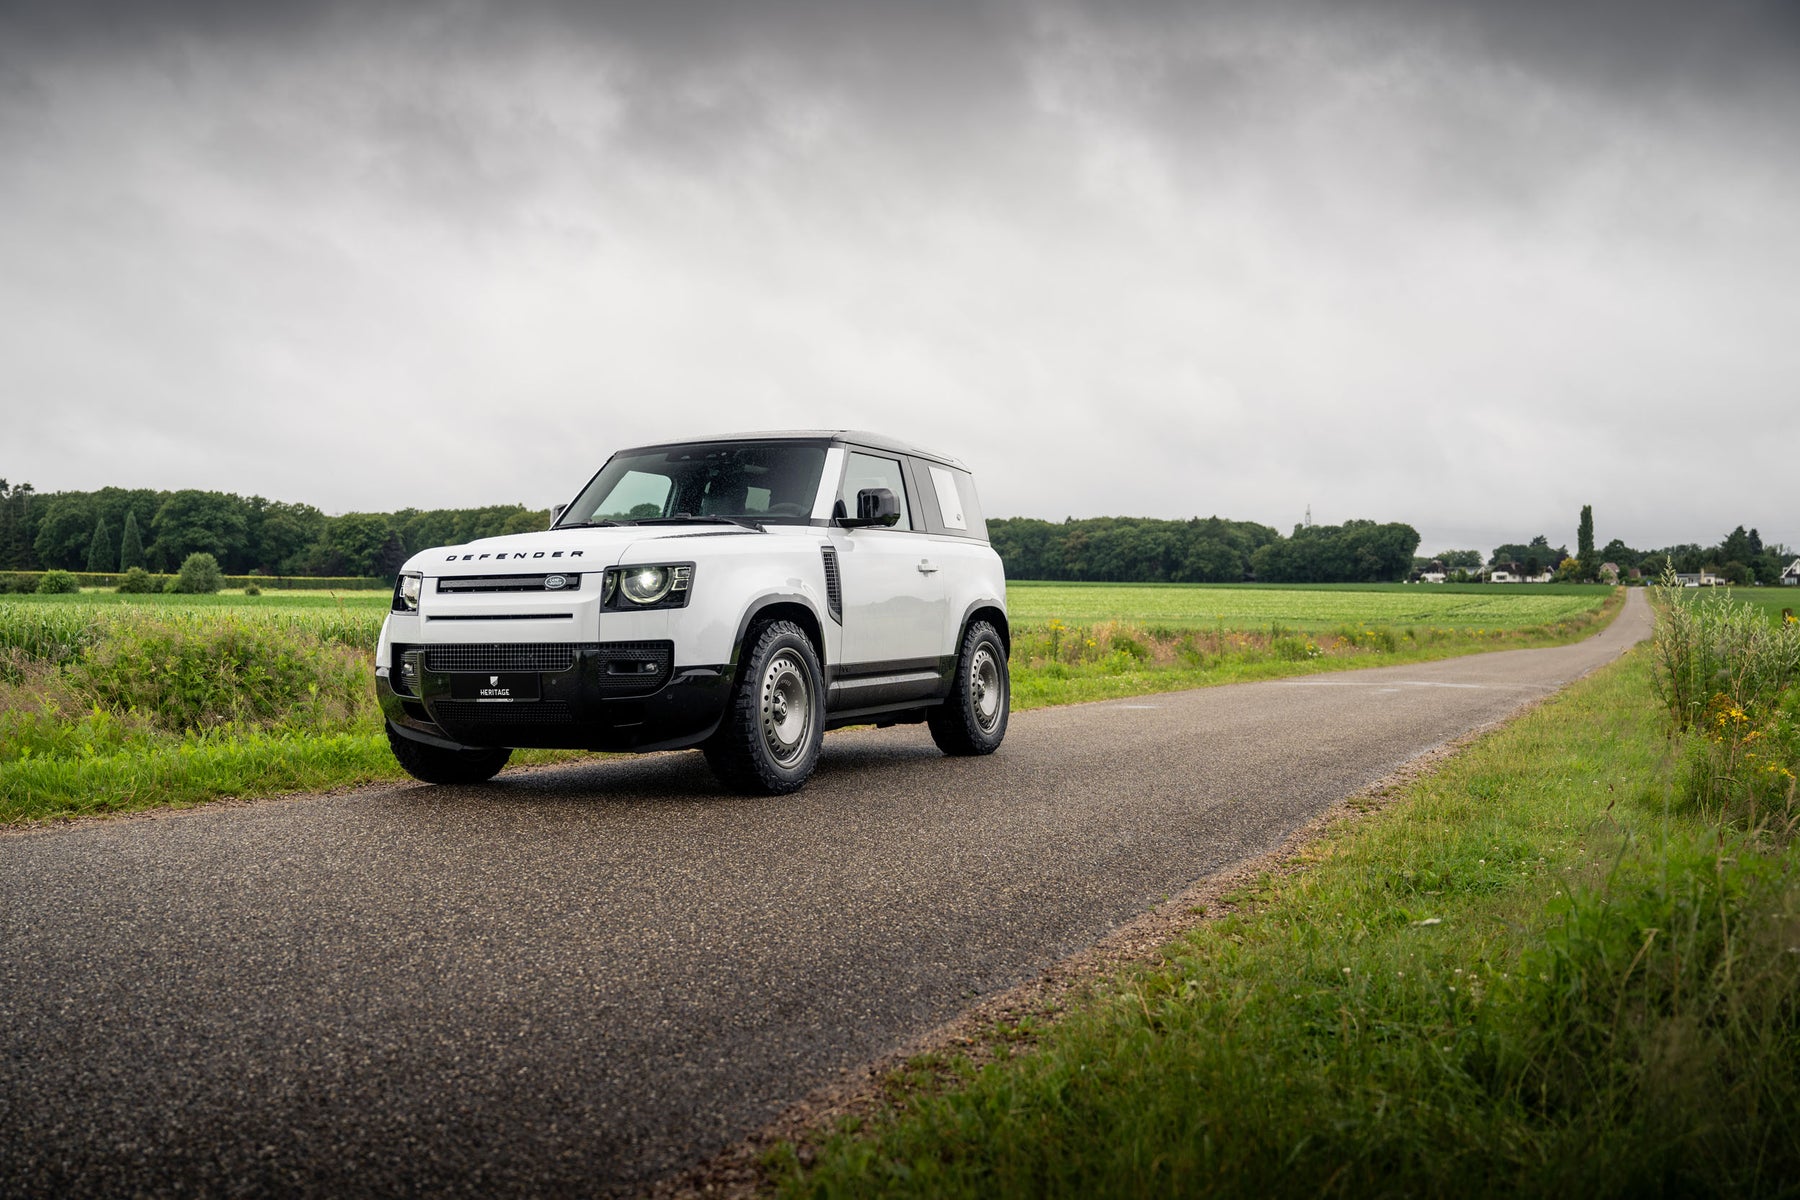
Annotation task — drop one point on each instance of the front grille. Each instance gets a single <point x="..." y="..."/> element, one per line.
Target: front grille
<point x="474" y="713"/>
<point x="502" y="656"/>
<point x="508" y="583"/>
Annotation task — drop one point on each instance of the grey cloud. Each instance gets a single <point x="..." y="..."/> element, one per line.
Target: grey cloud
<point x="1400" y="260"/>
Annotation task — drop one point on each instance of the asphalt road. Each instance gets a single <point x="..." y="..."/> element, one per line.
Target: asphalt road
<point x="581" y="979"/>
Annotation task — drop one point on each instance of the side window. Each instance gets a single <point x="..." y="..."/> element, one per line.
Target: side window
<point x="869" y="471"/>
<point x="943" y="483"/>
<point x="971" y="505"/>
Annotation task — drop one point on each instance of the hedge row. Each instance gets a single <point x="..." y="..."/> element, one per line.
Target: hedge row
<point x="27" y="581"/>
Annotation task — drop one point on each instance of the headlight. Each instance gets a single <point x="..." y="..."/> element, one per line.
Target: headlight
<point x="657" y="586"/>
<point x="646" y="585"/>
<point x="406" y="591"/>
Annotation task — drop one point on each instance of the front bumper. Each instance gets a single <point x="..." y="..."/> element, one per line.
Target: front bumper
<point x="589" y="696"/>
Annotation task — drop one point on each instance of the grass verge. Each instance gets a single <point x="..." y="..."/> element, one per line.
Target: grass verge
<point x="1532" y="972"/>
<point x="170" y="706"/>
<point x="227" y="763"/>
<point x="117" y="705"/>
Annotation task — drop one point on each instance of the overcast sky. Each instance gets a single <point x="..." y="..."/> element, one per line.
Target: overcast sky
<point x="1467" y="266"/>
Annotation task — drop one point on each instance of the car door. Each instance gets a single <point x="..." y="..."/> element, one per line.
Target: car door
<point x="894" y="594"/>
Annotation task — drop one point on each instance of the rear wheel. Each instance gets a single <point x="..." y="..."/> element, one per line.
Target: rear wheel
<point x="769" y="741"/>
<point x="435" y="764"/>
<point x="972" y="719"/>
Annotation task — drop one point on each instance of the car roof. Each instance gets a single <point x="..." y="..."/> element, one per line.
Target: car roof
<point x="858" y="437"/>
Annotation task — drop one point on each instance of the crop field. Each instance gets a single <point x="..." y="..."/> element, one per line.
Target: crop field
<point x="1237" y="606"/>
<point x="113" y="702"/>
<point x="1772" y="601"/>
<point x="55" y="629"/>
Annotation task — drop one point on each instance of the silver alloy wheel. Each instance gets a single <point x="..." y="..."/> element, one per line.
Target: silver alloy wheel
<point x="787" y="709"/>
<point x="985" y="689"/>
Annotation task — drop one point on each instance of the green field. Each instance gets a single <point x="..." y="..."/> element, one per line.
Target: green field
<point x="375" y="601"/>
<point x="55" y="629"/>
<point x="1773" y="601"/>
<point x="111" y="703"/>
<point x="1323" y="607"/>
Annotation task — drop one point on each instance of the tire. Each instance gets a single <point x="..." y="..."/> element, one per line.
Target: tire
<point x="434" y="764"/>
<point x="972" y="719"/>
<point x="769" y="742"/>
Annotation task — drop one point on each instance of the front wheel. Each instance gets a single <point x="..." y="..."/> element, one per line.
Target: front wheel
<point x="972" y="720"/>
<point x="435" y="764"/>
<point x="769" y="742"/>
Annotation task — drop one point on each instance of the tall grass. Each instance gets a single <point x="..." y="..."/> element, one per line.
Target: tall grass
<point x="201" y="671"/>
<point x="110" y="707"/>
<point x="1729" y="679"/>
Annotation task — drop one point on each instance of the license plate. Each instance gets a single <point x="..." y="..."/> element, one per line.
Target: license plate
<point x="503" y="688"/>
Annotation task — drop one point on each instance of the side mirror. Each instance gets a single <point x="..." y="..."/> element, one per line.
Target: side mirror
<point x="874" y="506"/>
<point x="556" y="514"/>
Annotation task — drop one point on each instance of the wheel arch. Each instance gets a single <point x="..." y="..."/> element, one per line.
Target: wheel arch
<point x="779" y="608"/>
<point x="993" y="614"/>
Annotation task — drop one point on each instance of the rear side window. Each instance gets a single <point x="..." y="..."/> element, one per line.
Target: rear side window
<point x="950" y="505"/>
<point x="955" y="508"/>
<point x="965" y="487"/>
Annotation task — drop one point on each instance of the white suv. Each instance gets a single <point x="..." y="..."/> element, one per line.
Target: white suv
<point x="742" y="594"/>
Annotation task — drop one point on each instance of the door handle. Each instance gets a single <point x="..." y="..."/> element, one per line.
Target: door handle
<point x="926" y="566"/>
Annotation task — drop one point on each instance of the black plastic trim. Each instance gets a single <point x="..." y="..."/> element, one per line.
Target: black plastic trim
<point x="501" y="617"/>
<point x="762" y="606"/>
<point x="1003" y="626"/>
<point x="834" y="584"/>
<point x="582" y="714"/>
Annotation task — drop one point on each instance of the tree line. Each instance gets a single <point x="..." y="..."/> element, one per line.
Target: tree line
<point x="1740" y="557"/>
<point x="1201" y="550"/>
<point x="115" y="529"/>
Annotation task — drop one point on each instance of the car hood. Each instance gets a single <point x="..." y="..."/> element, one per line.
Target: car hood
<point x="570" y="550"/>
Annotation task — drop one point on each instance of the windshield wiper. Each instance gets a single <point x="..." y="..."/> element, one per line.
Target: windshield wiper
<point x="600" y="524"/>
<point x="704" y="519"/>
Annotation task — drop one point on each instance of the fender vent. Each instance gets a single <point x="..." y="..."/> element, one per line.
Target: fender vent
<point x="834" y="587"/>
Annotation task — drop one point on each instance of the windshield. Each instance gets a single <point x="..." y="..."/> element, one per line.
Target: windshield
<point x="771" y="482"/>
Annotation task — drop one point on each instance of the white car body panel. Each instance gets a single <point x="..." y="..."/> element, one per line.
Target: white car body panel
<point x="887" y="633"/>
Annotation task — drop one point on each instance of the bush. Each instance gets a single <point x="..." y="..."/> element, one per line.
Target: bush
<point x="199" y="575"/>
<point x="136" y="581"/>
<point x="1731" y="684"/>
<point x="58" y="583"/>
<point x="1708" y="646"/>
<point x="250" y="589"/>
<point x="199" y="671"/>
<point x="1294" y="649"/>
